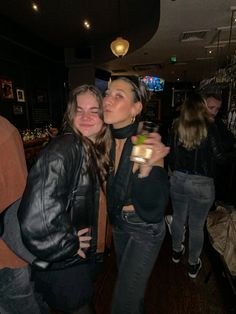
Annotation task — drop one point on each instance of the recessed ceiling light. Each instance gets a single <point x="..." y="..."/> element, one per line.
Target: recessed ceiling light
<point x="87" y="24"/>
<point x="35" y="6"/>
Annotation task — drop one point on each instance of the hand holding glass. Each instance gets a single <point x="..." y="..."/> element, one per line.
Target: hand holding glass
<point x="141" y="152"/>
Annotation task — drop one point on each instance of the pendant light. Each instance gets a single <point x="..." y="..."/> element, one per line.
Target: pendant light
<point x="119" y="46"/>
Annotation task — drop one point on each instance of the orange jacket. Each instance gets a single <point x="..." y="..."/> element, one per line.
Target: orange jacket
<point x="13" y="173"/>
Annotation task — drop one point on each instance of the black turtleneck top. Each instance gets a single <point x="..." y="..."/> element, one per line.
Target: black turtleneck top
<point x="148" y="195"/>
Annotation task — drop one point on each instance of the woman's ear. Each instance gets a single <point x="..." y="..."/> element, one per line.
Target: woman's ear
<point x="137" y="108"/>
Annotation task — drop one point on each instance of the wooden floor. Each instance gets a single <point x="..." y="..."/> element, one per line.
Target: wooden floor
<point x="170" y="290"/>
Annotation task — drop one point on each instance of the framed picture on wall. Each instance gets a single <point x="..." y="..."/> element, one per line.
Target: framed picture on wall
<point x="20" y="94"/>
<point x="17" y="110"/>
<point x="6" y="91"/>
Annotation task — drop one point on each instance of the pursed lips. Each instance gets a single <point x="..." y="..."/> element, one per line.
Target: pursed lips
<point x="107" y="111"/>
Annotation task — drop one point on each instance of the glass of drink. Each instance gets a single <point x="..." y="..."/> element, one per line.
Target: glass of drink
<point x="141" y="152"/>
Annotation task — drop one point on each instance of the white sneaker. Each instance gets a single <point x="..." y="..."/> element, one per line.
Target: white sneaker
<point x="193" y="270"/>
<point x="176" y="256"/>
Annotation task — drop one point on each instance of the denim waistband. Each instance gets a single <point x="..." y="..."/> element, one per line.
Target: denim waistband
<point x="191" y="172"/>
<point x="193" y="177"/>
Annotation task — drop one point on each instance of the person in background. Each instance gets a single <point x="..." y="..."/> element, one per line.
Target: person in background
<point x="214" y="103"/>
<point x="136" y="196"/>
<point x="195" y="147"/>
<point x="224" y="172"/>
<point x="16" y="289"/>
<point x="59" y="208"/>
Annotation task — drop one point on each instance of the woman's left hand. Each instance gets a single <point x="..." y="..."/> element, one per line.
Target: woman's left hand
<point x="84" y="241"/>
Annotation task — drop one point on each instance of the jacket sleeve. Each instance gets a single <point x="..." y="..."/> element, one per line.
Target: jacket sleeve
<point x="220" y="155"/>
<point x="45" y="226"/>
<point x="227" y="138"/>
<point x="150" y="195"/>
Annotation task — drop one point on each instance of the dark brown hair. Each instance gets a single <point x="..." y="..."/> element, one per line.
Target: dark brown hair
<point x="139" y="89"/>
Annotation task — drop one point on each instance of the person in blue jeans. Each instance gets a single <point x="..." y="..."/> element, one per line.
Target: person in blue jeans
<point x="17" y="293"/>
<point x="136" y="196"/>
<point x="195" y="150"/>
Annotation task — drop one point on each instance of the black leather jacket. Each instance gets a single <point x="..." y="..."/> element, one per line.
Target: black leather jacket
<point x="61" y="197"/>
<point x="201" y="161"/>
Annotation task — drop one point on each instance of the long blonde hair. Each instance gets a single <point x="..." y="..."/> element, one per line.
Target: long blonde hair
<point x="192" y="125"/>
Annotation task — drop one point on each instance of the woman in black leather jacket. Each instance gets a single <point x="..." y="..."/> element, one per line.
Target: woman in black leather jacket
<point x="135" y="200"/>
<point x="195" y="149"/>
<point x="61" y="201"/>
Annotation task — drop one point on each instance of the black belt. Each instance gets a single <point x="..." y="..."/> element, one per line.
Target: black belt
<point x="132" y="216"/>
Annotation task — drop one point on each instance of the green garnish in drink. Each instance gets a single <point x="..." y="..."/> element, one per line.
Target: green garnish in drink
<point x="141" y="138"/>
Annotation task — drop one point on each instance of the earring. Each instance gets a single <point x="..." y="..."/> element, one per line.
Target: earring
<point x="133" y="119"/>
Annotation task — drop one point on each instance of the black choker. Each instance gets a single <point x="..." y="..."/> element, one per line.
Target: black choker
<point x="125" y="132"/>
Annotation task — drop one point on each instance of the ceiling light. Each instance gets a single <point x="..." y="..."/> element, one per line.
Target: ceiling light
<point x="35" y="7"/>
<point x="120" y="47"/>
<point x="86" y="24"/>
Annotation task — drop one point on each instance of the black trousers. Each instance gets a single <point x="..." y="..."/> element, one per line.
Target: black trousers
<point x="66" y="290"/>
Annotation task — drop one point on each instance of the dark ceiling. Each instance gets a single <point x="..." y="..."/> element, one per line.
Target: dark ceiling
<point x="200" y="34"/>
<point x="59" y="24"/>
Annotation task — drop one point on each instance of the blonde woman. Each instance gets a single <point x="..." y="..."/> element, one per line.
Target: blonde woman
<point x="195" y="147"/>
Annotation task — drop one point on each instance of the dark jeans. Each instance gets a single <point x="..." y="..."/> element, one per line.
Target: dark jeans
<point x="16" y="292"/>
<point x="192" y="197"/>
<point x="137" y="245"/>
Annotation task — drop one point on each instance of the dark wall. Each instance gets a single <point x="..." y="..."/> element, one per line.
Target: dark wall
<point x="40" y="76"/>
